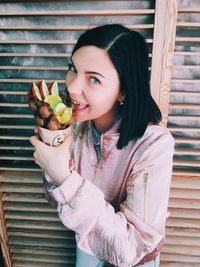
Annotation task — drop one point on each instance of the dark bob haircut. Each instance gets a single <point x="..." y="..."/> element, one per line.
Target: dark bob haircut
<point x="129" y="54"/>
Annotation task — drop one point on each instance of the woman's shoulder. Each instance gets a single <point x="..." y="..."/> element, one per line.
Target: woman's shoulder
<point x="156" y="132"/>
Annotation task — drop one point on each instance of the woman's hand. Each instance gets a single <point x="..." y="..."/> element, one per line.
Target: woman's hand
<point x="55" y="161"/>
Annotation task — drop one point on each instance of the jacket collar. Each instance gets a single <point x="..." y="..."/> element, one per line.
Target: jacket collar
<point x="114" y="130"/>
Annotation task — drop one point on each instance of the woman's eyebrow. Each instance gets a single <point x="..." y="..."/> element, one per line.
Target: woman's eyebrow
<point x="88" y="72"/>
<point x="94" y="72"/>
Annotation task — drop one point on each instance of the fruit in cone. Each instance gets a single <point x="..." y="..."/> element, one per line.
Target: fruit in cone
<point x="44" y="89"/>
<point x="45" y="111"/>
<point x="50" y="108"/>
<point x="66" y="116"/>
<point x="36" y="91"/>
<point x="54" y="88"/>
<point x="53" y="100"/>
<point x="53" y="124"/>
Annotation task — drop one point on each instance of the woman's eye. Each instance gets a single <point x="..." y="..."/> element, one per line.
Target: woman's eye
<point x="71" y="68"/>
<point x="94" y="80"/>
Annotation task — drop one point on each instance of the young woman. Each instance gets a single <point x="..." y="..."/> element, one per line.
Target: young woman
<point x="115" y="196"/>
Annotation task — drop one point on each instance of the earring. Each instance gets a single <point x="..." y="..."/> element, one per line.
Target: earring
<point x="121" y="102"/>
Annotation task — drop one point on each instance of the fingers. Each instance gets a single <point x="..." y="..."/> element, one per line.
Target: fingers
<point x="36" y="130"/>
<point x="35" y="157"/>
<point x="36" y="142"/>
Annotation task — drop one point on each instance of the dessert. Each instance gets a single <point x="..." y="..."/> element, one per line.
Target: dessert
<point x="52" y="109"/>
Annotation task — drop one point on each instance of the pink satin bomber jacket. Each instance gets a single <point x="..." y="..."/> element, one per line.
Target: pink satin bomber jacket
<point x="118" y="206"/>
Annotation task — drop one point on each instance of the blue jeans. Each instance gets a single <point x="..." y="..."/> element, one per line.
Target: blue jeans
<point x="83" y="259"/>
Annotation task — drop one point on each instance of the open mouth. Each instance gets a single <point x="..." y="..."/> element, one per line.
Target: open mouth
<point x="79" y="106"/>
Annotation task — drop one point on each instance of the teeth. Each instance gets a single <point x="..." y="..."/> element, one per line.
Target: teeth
<point x="78" y="103"/>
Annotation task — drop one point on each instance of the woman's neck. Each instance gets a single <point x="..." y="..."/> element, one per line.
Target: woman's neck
<point x="102" y="128"/>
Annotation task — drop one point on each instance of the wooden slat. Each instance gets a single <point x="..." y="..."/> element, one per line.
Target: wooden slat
<point x="69" y="27"/>
<point x="14" y="137"/>
<point x="6" y="115"/>
<point x="184" y="203"/>
<point x="42" y="259"/>
<point x="166" y="264"/>
<point x="182" y="162"/>
<point x="187" y="259"/>
<point x="32" y="216"/>
<point x="21" y="177"/>
<point x="35" y="207"/>
<point x="188" y="39"/>
<point x="11" y="168"/>
<point x="25" y="197"/>
<point x="17" y="188"/>
<point x="20" y="263"/>
<point x="187" y="140"/>
<point x="56" y="42"/>
<point x="185" y="193"/>
<point x="127" y="12"/>
<point x="13" y="92"/>
<point x="181" y="249"/>
<point x="186" y="53"/>
<point x="184" y="129"/>
<point x="27" y="81"/>
<point x="187" y="151"/>
<point x="41" y="225"/>
<point x="188" y="24"/>
<point x="192" y="232"/>
<point x="41" y="251"/>
<point x="171" y="240"/>
<point x="61" y="68"/>
<point x="29" y="54"/>
<point x="19" y="157"/>
<point x="21" y="148"/>
<point x="186" y="67"/>
<point x="185" y="93"/>
<point x="6" y="126"/>
<point x="189" y="182"/>
<point x="69" y="235"/>
<point x="185" y="223"/>
<point x="184" y="213"/>
<point x="184" y="117"/>
<point x="194" y="9"/>
<point x="183" y="106"/>
<point x="185" y="80"/>
<point x="21" y="105"/>
<point x="46" y="242"/>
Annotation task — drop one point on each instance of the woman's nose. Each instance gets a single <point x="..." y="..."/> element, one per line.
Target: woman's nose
<point x="74" y="86"/>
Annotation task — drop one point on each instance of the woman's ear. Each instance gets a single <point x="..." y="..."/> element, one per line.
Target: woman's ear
<point x="121" y="98"/>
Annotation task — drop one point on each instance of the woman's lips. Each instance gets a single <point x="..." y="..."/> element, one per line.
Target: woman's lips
<point x="79" y="106"/>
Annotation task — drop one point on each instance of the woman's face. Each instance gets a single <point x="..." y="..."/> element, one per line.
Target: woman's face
<point x="94" y="87"/>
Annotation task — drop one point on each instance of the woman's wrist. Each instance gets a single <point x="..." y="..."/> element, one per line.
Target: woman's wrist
<point x="62" y="180"/>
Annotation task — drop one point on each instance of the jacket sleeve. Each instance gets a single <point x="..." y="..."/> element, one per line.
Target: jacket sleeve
<point x="121" y="238"/>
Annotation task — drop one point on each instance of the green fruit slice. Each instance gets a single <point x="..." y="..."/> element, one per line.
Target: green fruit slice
<point x="60" y="108"/>
<point x="54" y="88"/>
<point x="36" y="91"/>
<point x="66" y="116"/>
<point x="44" y="89"/>
<point x="53" y="100"/>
